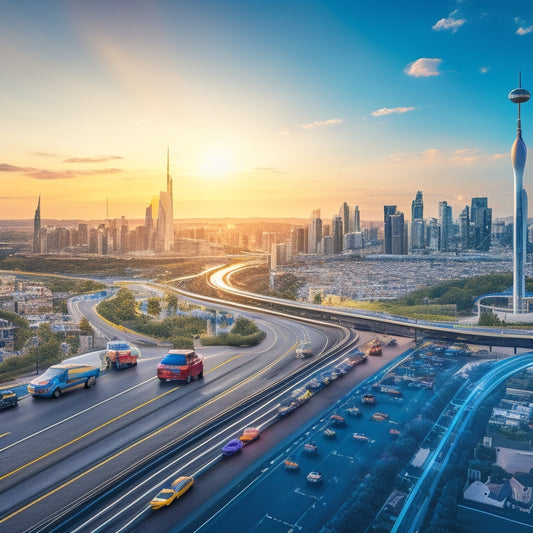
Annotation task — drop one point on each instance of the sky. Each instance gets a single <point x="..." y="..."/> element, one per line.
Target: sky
<point x="270" y="108"/>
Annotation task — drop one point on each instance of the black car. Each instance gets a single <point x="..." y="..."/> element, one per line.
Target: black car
<point x="8" y="398"/>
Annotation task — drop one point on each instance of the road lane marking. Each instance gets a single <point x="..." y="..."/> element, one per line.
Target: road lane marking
<point x="5" y="435"/>
<point x="101" y="426"/>
<point x="137" y="443"/>
<point x="79" y="413"/>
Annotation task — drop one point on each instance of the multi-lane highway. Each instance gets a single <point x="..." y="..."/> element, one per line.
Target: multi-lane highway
<point x="57" y="454"/>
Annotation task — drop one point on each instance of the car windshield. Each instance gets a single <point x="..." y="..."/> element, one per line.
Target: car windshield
<point x="52" y="372"/>
<point x="174" y="359"/>
<point x="180" y="484"/>
<point x="163" y="495"/>
<point x="117" y="346"/>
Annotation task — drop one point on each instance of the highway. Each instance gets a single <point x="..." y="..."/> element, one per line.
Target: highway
<point x="59" y="452"/>
<point x="367" y="320"/>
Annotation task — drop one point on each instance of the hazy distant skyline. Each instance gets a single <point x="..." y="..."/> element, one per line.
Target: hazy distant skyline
<point x="270" y="109"/>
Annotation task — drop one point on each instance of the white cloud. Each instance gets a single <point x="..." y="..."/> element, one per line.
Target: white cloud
<point x="423" y="67"/>
<point x="448" y="24"/>
<point x="320" y="123"/>
<point x="524" y="31"/>
<point x="484" y="70"/>
<point x="390" y="110"/>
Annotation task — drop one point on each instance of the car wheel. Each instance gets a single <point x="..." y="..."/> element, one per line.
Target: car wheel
<point x="56" y="393"/>
<point x="201" y="375"/>
<point x="189" y="378"/>
<point x="108" y="363"/>
<point x="90" y="382"/>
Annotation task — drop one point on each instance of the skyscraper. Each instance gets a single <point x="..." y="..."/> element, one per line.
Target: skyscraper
<point x="165" y="216"/>
<point x="356" y="220"/>
<point x="344" y="213"/>
<point x="388" y="211"/>
<point x="337" y="232"/>
<point x="445" y="223"/>
<point x="518" y="158"/>
<point x="315" y="232"/>
<point x="37" y="229"/>
<point x="481" y="220"/>
<point x="398" y="237"/>
<point x="464" y="229"/>
<point x="417" y="222"/>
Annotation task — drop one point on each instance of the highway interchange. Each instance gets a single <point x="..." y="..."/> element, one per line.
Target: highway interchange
<point x="90" y="461"/>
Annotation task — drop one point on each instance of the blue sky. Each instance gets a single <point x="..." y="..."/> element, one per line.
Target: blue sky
<point x="270" y="108"/>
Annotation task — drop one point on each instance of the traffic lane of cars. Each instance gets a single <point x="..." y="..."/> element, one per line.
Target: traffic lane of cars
<point x="99" y="451"/>
<point x="232" y="474"/>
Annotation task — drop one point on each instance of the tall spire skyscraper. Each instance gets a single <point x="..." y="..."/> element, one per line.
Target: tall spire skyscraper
<point x="518" y="158"/>
<point x="37" y="229"/>
<point x="165" y="216"/>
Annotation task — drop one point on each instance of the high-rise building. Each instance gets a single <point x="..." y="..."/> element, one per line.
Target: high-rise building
<point x="445" y="224"/>
<point x="481" y="221"/>
<point x="464" y="229"/>
<point x="315" y="232"/>
<point x="398" y="234"/>
<point x="388" y="211"/>
<point x="356" y="226"/>
<point x="337" y="227"/>
<point x="518" y="158"/>
<point x="433" y="234"/>
<point x="417" y="222"/>
<point x="37" y="229"/>
<point x="148" y="229"/>
<point x="165" y="216"/>
<point x="344" y="213"/>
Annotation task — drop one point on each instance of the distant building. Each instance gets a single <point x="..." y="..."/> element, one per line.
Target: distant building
<point x="388" y="212"/>
<point x="481" y="220"/>
<point x="7" y="339"/>
<point x="337" y="234"/>
<point x="417" y="223"/>
<point x="344" y="214"/>
<point x="398" y="234"/>
<point x="445" y="226"/>
<point x="165" y="217"/>
<point x="37" y="229"/>
<point x="314" y="232"/>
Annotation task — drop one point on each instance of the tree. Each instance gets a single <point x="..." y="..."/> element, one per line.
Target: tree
<point x="488" y="318"/>
<point x="172" y="301"/>
<point x="86" y="328"/>
<point x="154" y="306"/>
<point x="317" y="298"/>
<point x="244" y="326"/>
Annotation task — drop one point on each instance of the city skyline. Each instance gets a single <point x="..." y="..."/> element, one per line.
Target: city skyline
<point x="261" y="106"/>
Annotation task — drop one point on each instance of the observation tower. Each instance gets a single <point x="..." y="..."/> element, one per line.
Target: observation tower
<point x="518" y="159"/>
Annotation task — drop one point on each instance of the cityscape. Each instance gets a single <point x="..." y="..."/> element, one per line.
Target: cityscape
<point x="266" y="267"/>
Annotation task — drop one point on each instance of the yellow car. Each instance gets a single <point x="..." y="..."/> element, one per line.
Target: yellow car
<point x="167" y="495"/>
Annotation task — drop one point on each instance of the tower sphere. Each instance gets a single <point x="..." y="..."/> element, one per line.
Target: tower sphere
<point x="519" y="96"/>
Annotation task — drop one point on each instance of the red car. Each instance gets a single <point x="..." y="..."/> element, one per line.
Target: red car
<point x="180" y="365"/>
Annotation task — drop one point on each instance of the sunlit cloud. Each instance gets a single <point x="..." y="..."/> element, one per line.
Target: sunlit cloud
<point x="524" y="31"/>
<point x="522" y="28"/>
<point x="101" y="159"/>
<point x="484" y="70"/>
<point x="43" y="174"/>
<point x="424" y="67"/>
<point x="390" y="111"/>
<point x="448" y="24"/>
<point x="321" y="123"/>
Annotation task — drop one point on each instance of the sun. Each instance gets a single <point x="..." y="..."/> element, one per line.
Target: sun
<point x="217" y="162"/>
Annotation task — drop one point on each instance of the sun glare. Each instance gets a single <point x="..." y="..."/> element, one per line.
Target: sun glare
<point x="216" y="163"/>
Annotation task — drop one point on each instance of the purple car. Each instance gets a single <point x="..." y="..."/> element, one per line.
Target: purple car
<point x="232" y="447"/>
